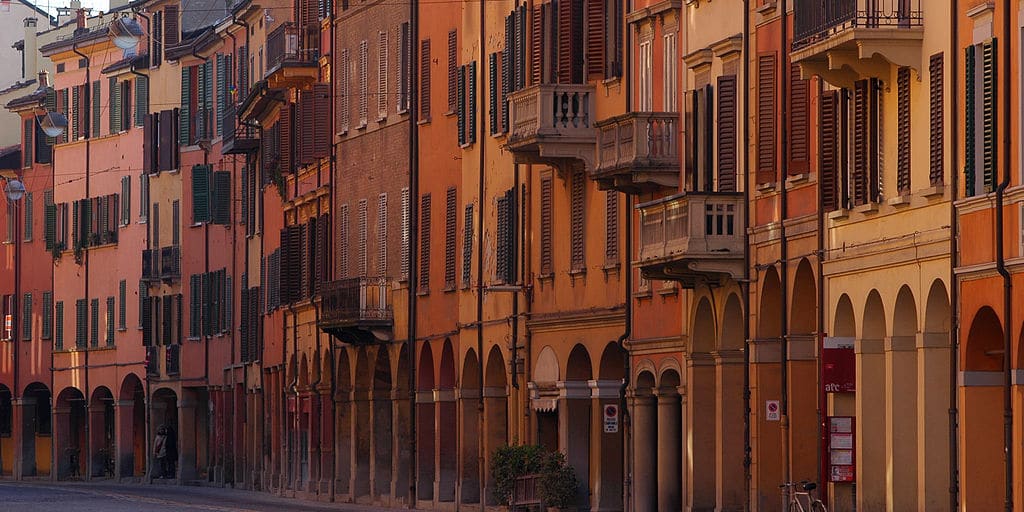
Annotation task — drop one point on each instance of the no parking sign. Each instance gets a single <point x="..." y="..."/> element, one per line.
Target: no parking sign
<point x="611" y="419"/>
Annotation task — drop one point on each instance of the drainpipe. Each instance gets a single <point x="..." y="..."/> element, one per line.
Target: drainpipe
<point x="745" y="283"/>
<point x="414" y="194"/>
<point x="954" y="289"/>
<point x="819" y="339"/>
<point x="1001" y="267"/>
<point x="627" y="331"/>
<point x="258" y="328"/>
<point x="85" y="255"/>
<point x="294" y="388"/>
<point x="783" y="252"/>
<point x="481" y="149"/>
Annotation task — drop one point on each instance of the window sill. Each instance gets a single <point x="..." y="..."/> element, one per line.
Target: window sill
<point x="934" y="191"/>
<point x="840" y="214"/>
<point x="423" y="292"/>
<point x="361" y="126"/>
<point x="797" y="179"/>
<point x="667" y="292"/>
<point x="449" y="113"/>
<point x="866" y="208"/>
<point x="423" y="121"/>
<point x="448" y="289"/>
<point x="766" y="187"/>
<point x="645" y="294"/>
<point x="766" y="9"/>
<point x="899" y="201"/>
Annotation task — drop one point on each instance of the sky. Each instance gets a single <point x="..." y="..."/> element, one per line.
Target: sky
<point x="52" y="5"/>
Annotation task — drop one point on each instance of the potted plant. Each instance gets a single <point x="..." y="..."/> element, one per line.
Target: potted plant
<point x="511" y="462"/>
<point x="558" y="485"/>
<point x="57" y="249"/>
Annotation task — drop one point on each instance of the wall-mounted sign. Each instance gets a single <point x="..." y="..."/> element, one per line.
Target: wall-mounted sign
<point x="841" y="452"/>
<point x="839" y="366"/>
<point x="772" y="411"/>
<point x="611" y="419"/>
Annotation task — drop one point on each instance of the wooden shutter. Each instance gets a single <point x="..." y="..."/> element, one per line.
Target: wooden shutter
<point x="141" y="100"/>
<point x="404" y="68"/>
<point x="611" y="229"/>
<point x="344" y="110"/>
<point x="343" y="240"/>
<point x="989" y="114"/>
<point x="382" y="234"/>
<point x="166" y="147"/>
<point x="58" y="325"/>
<point x="304" y="125"/>
<point x="546" y="218"/>
<point x="110" y="321"/>
<point x="62" y="107"/>
<point x="81" y="322"/>
<point x="114" y="107"/>
<point x="492" y="92"/>
<point x="424" y="79"/>
<point x="76" y="111"/>
<point x="467" y="246"/>
<point x="536" y="41"/>
<point x="322" y="120"/>
<point x="766" y="135"/>
<point x="596" y="39"/>
<point x="156" y="55"/>
<point x="460" y="105"/>
<point x="471" y="100"/>
<point x="828" y="153"/>
<point x="200" y="194"/>
<point x="799" y="123"/>
<point x="363" y="228"/>
<point x="323" y="253"/>
<point x="149" y="146"/>
<point x="577" y="219"/>
<point x="970" y="121"/>
<point x="94" y="319"/>
<point x="453" y="66"/>
<point x="406" y="235"/>
<point x="860" y="142"/>
<point x="424" y="242"/>
<point x="936" y="121"/>
<point x="450" y="220"/>
<point x="727" y="133"/>
<point x="363" y="100"/>
<point x="126" y="200"/>
<point x="97" y="101"/>
<point x="47" y="307"/>
<point x="570" y="41"/>
<point x="221" y="200"/>
<point x="184" y="133"/>
<point x="50" y="220"/>
<point x="122" y="311"/>
<point x="195" y="303"/>
<point x="903" y="131"/>
<point x="175" y="223"/>
<point x="206" y="311"/>
<point x="382" y="74"/>
<point x="171" y="33"/>
<point x="520" y="23"/>
<point x="243" y="72"/>
<point x="26" y="317"/>
<point x="286" y="145"/>
<point x="502" y="228"/>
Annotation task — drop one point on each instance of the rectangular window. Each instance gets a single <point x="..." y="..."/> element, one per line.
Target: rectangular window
<point x="26" y="317"/>
<point x="126" y="199"/>
<point x="382" y="75"/>
<point x="645" y="92"/>
<point x="47" y="307"/>
<point x="453" y="65"/>
<point x="143" y="197"/>
<point x="175" y="223"/>
<point x="58" y="325"/>
<point x="577" y="217"/>
<point x="113" y="106"/>
<point x="504" y="268"/>
<point x="344" y="111"/>
<point x="406" y="235"/>
<point x="766" y="119"/>
<point x="450" y="229"/>
<point x="29" y="208"/>
<point x="424" y="97"/>
<point x="27" y="149"/>
<point x="546" y="219"/>
<point x="196" y="304"/>
<point x="94" y="319"/>
<point x="989" y="114"/>
<point x="363" y="100"/>
<point x="611" y="213"/>
<point x="122" y="311"/>
<point x="382" y="234"/>
<point x="141" y="100"/>
<point x="460" y="105"/>
<point x="670" y="67"/>
<point x="467" y="247"/>
<point x="49" y="220"/>
<point x="97" y="99"/>
<point x="200" y="194"/>
<point x="903" y="175"/>
<point x="424" y="242"/>
<point x="110" y="322"/>
<point x="936" y="92"/>
<point x="404" y="49"/>
<point x="362" y="227"/>
<point x="727" y="121"/>
<point x="343" y="242"/>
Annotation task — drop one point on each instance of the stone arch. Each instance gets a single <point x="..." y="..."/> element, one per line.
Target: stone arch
<point x="611" y="366"/>
<point x="326" y="377"/>
<point x="984" y="347"/>
<point x="495" y="375"/>
<point x="101" y="430"/>
<point x="574" y="418"/>
<point x="904" y="317"/>
<point x="732" y="325"/>
<point x="469" y="387"/>
<point x="937" y="312"/>
<point x="70" y="417"/>
<point x="37" y="429"/>
<point x="131" y="419"/>
<point x="845" y="324"/>
<point x="382" y="424"/>
<point x="768" y="325"/>
<point x="981" y="412"/>
<point x="873" y="327"/>
<point x="578" y="365"/>
<point x="447" y="415"/>
<point x="495" y="411"/>
<point x="644" y="365"/>
<point x="303" y="376"/>
<point x="802" y="317"/>
<point x="446" y="376"/>
<point x="547" y="370"/>
<point x="871" y="398"/>
<point x="425" y="370"/>
<point x="702" y="339"/>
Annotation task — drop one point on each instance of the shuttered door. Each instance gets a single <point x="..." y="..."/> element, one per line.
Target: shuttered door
<point x="903" y="130"/>
<point x="141" y="99"/>
<point x="97" y="101"/>
<point x="799" y="123"/>
<point x="860" y="142"/>
<point x="766" y="146"/>
<point x="829" y="150"/>
<point x="596" y="39"/>
<point x="47" y="307"/>
<point x="936" y="120"/>
<point x="424" y="79"/>
<point x="727" y="133"/>
<point x="200" y="194"/>
<point x="424" y="233"/>
<point x="221" y="203"/>
<point x="450" y="220"/>
<point x="546" y="218"/>
<point x="184" y="134"/>
<point x="322" y="120"/>
<point x="989" y="114"/>
<point x="536" y="41"/>
<point x="570" y="41"/>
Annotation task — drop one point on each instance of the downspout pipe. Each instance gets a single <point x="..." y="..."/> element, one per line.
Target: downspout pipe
<point x="481" y="149"/>
<point x="413" y="159"/>
<point x="85" y="255"/>
<point x="745" y="284"/>
<point x="954" y="288"/>
<point x="627" y="331"/>
<point x="783" y="242"/>
<point x="822" y="329"/>
<point x="1001" y="266"/>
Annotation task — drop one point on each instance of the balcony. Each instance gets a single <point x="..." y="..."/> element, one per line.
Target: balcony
<point x="238" y="138"/>
<point x="151" y="264"/>
<point x="292" y="57"/>
<point x="162" y="264"/>
<point x="553" y="124"/>
<point x="173" y="360"/>
<point x="693" y="237"/>
<point x="638" y="152"/>
<point x="848" y="40"/>
<point x="357" y="310"/>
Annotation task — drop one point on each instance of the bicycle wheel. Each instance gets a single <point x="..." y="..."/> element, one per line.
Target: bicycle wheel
<point x="818" y="506"/>
<point x="795" y="506"/>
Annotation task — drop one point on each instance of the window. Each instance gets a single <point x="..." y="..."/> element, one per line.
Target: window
<point x="645" y="92"/>
<point x="504" y="268"/>
<point x="49" y="220"/>
<point x="29" y="207"/>
<point x="424" y="242"/>
<point x="382" y="234"/>
<point x="546" y="218"/>
<point x="110" y="322"/>
<point x="343" y="241"/>
<point x="766" y="81"/>
<point x="26" y="317"/>
<point x="404" y="50"/>
<point x="727" y="146"/>
<point x="126" y="200"/>
<point x="113" y="105"/>
<point x="47" y="316"/>
<point x="81" y="322"/>
<point x="936" y="123"/>
<point x="406" y="235"/>
<point x="577" y="217"/>
<point x="453" y="64"/>
<point x="122" y="312"/>
<point x="460" y="105"/>
<point x="58" y="325"/>
<point x="670" y="68"/>
<point x="97" y="99"/>
<point x="143" y="197"/>
<point x="611" y="213"/>
<point x="903" y="176"/>
<point x="94" y="318"/>
<point x="450" y="229"/>
<point x="424" y="97"/>
<point x="28" y="148"/>
<point x="141" y="99"/>
<point x="981" y="98"/>
<point x="200" y="194"/>
<point x="799" y="123"/>
<point x="363" y="101"/>
<point x="344" y="111"/>
<point x="467" y="247"/>
<point x="362" y="238"/>
<point x="382" y="75"/>
<point x="175" y="223"/>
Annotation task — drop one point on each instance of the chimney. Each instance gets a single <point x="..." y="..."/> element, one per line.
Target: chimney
<point x="30" y="50"/>
<point x="44" y="80"/>
<point x="116" y="4"/>
<point x="80" y="19"/>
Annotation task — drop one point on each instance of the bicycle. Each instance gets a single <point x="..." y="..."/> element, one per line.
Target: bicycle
<point x="793" y="497"/>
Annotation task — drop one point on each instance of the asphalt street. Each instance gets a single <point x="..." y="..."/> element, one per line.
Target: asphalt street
<point x="110" y="497"/>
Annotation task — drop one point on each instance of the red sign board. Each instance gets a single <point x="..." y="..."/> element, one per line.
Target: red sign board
<point x="839" y="366"/>
<point x="842" y="460"/>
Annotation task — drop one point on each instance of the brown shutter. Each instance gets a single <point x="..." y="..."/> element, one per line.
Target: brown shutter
<point x="147" y="144"/>
<point x="425" y="242"/>
<point x="305" y="127"/>
<point x="537" y="43"/>
<point x="727" y="133"/>
<point x="860" y="142"/>
<point x="322" y="120"/>
<point x="596" y="39"/>
<point x="577" y="219"/>
<point x="285" y="144"/>
<point x="799" y="123"/>
<point x="936" y="120"/>
<point x="449" y="239"/>
<point x="453" y="57"/>
<point x="171" y="33"/>
<point x="166" y="146"/>
<point x="903" y="130"/>
<point x="828" y="152"/>
<point x="611" y="229"/>
<point x="570" y="41"/>
<point x="766" y="149"/>
<point x="546" y="217"/>
<point x="425" y="79"/>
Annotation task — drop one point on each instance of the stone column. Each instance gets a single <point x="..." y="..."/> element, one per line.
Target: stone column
<point x="645" y="453"/>
<point x="324" y="486"/>
<point x="469" y="445"/>
<point x="447" y="443"/>
<point x="186" y="438"/>
<point x="901" y="422"/>
<point x="606" y="474"/>
<point x="871" y="424"/>
<point x="124" y="435"/>
<point x="933" y="415"/>
<point x="495" y="431"/>
<point x="62" y="440"/>
<point x="574" y="424"/>
<point x="669" y="450"/>
<point x="24" y="433"/>
<point x="701" y="467"/>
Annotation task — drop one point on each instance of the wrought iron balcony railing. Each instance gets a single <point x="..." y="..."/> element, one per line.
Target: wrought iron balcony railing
<point x="816" y="20"/>
<point x="285" y="45"/>
<point x="357" y="309"/>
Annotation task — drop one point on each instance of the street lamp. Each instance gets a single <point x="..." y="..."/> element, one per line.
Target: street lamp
<point x="125" y="32"/>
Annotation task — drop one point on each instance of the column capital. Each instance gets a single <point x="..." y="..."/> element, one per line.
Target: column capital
<point x="444" y="395"/>
<point x="573" y="389"/>
<point x="467" y="393"/>
<point x="495" y="392"/>
<point x="124" y="403"/>
<point x="901" y="343"/>
<point x="25" y="401"/>
<point x="605" y="388"/>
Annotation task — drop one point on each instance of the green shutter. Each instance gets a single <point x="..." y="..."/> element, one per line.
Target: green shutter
<point x="50" y="214"/>
<point x="26" y="318"/>
<point x="194" y="304"/>
<point x="27" y="236"/>
<point x="58" y="337"/>
<point x="206" y="306"/>
<point x="94" y="318"/>
<point x="201" y="102"/>
<point x="989" y="114"/>
<point x="184" y="115"/>
<point x="143" y="299"/>
<point x="221" y="100"/>
<point x="110" y="321"/>
<point x="76" y="112"/>
<point x="200" y="193"/>
<point x="81" y="322"/>
<point x="114" y="109"/>
<point x="141" y="100"/>
<point x="126" y="200"/>
<point x="97" y="102"/>
<point x="122" y="309"/>
<point x="221" y="198"/>
<point x="47" y="315"/>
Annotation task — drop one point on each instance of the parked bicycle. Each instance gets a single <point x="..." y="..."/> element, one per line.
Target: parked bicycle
<point x="796" y="494"/>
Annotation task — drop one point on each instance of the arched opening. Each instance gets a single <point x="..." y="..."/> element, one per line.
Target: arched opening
<point x="701" y="410"/>
<point x="131" y="420"/>
<point x="425" y="417"/>
<point x="872" y="418"/>
<point x="36" y="432"/>
<point x="469" y="394"/>
<point x="546" y="376"/>
<point x="902" y="402"/>
<point x="495" y="411"/>
<point x="982" y="413"/>
<point x="728" y="410"/>
<point x="382" y="438"/>
<point x="934" y="368"/>
<point x="6" y="429"/>
<point x="670" y="441"/>
<point x="101" y="432"/>
<point x="361" y="431"/>
<point x="844" y="325"/>
<point x="164" y="415"/>
<point x="606" y="490"/>
<point x="644" y="414"/>
<point x="401" y="434"/>
<point x="768" y="324"/>
<point x="447" y="415"/>
<point x="804" y="300"/>
<point x="574" y="419"/>
<point x="69" y="415"/>
<point x="343" y="423"/>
